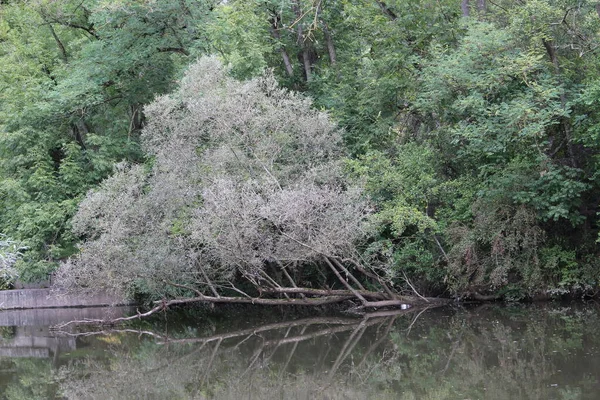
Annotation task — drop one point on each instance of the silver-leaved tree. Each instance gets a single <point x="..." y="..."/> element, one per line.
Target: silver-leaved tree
<point x="243" y="199"/>
<point x="10" y="252"/>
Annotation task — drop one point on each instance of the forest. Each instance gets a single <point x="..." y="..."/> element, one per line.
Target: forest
<point x="301" y="151"/>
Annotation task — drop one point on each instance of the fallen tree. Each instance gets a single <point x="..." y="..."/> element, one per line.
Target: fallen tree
<point x="244" y="200"/>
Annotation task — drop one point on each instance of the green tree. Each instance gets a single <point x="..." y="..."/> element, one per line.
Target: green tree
<point x="498" y="110"/>
<point x="74" y="77"/>
<point x="355" y="58"/>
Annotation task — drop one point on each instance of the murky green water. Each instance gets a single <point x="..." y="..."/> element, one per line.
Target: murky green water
<point x="485" y="352"/>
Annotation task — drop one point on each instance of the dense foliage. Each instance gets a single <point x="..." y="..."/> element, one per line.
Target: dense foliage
<point x="244" y="176"/>
<point x="9" y="255"/>
<point x="73" y="78"/>
<point x="471" y="126"/>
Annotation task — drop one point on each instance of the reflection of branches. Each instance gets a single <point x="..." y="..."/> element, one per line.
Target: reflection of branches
<point x="415" y="320"/>
<point x="269" y="327"/>
<point x="378" y="342"/>
<point x="454" y="347"/>
<point x="257" y="353"/>
<point x="349" y="345"/>
<point x="371" y="357"/>
<point x="293" y="351"/>
<point x="308" y="336"/>
<point x="343" y="324"/>
<point x="211" y="360"/>
<point x="208" y="358"/>
<point x="163" y="305"/>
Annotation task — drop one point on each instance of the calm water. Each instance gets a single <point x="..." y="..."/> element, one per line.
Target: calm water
<point x="485" y="352"/>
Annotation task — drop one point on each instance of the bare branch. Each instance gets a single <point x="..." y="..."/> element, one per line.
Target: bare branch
<point x="180" y="50"/>
<point x="198" y="293"/>
<point x="210" y="284"/>
<point x="327" y="292"/>
<point x="413" y="288"/>
<point x="348" y="273"/>
<point x="344" y="282"/>
<point x="362" y="270"/>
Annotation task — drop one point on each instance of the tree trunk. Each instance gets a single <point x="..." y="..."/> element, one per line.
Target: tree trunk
<point x="307" y="64"/>
<point x="61" y="47"/>
<point x="302" y="42"/>
<point x="464" y="5"/>
<point x="136" y="122"/>
<point x="76" y="129"/>
<point x="387" y="11"/>
<point x="286" y="58"/>
<point x="481" y="6"/>
<point x="330" y="45"/>
<point x="565" y="123"/>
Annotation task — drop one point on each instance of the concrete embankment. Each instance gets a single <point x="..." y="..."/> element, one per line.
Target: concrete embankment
<point x="55" y="316"/>
<point x="46" y="298"/>
<point x="28" y="333"/>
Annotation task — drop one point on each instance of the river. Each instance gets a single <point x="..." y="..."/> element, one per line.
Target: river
<point x="538" y="351"/>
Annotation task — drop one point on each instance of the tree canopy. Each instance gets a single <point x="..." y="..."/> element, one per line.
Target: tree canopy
<point x="73" y="78"/>
<point x="462" y="135"/>
<point x="245" y="176"/>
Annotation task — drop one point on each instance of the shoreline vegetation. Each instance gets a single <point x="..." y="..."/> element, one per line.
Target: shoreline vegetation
<point x="259" y="207"/>
<point x="380" y="153"/>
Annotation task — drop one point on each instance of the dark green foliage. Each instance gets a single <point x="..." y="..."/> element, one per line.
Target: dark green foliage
<point x="500" y="248"/>
<point x="404" y="186"/>
<point x="498" y="103"/>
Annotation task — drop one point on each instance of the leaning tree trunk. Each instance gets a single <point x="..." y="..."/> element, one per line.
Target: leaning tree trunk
<point x="275" y="22"/>
<point x="565" y="122"/>
<point x="302" y="41"/>
<point x="330" y="44"/>
<point x="274" y="294"/>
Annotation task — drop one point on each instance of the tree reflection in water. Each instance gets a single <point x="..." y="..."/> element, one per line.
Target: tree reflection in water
<point x="300" y="359"/>
<point x="491" y="352"/>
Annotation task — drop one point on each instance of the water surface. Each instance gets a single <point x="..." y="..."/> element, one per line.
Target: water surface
<point x="487" y="352"/>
